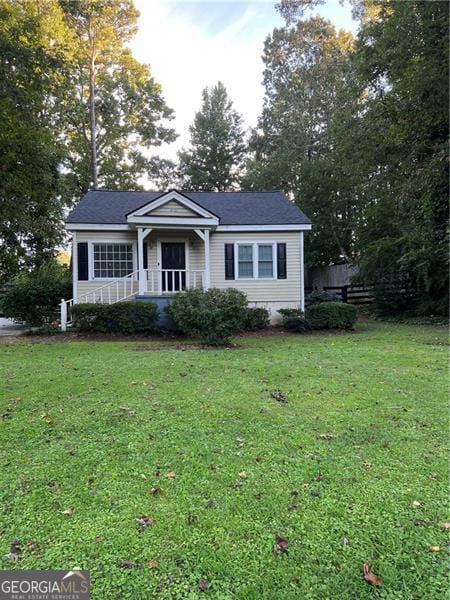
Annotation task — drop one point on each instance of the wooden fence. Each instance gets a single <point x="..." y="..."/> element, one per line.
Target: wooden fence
<point x="351" y="294"/>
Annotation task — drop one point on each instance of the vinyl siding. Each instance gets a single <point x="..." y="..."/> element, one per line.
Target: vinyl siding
<point x="172" y="209"/>
<point x="259" y="290"/>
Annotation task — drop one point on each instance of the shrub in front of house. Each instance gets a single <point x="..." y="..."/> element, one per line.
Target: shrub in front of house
<point x="319" y="296"/>
<point x="213" y="315"/>
<point x="331" y="315"/>
<point x="256" y="319"/>
<point x="294" y="320"/>
<point x="121" y="317"/>
<point x="33" y="297"/>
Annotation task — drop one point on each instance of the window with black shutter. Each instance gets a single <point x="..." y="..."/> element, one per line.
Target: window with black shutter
<point x="83" y="261"/>
<point x="281" y="261"/>
<point x="229" y="261"/>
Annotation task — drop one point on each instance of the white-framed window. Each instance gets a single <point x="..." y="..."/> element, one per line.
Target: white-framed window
<point x="256" y="260"/>
<point x="112" y="260"/>
<point x="245" y="261"/>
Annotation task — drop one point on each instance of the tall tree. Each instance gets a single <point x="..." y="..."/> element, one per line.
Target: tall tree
<point x="306" y="66"/>
<point x="118" y="112"/>
<point x="398" y="135"/>
<point x="33" y="41"/>
<point x="217" y="148"/>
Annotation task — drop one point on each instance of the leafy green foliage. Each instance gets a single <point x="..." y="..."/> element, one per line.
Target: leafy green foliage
<point x="331" y="315"/>
<point x="130" y="112"/>
<point x="217" y="144"/>
<point x="214" y="315"/>
<point x="121" y="317"/>
<point x="255" y="319"/>
<point x="98" y="420"/>
<point x="32" y="42"/>
<point x="317" y="296"/>
<point x="33" y="297"/>
<point x="306" y="64"/>
<point x="294" y="320"/>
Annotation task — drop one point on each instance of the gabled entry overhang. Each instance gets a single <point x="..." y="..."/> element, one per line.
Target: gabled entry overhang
<point x="194" y="215"/>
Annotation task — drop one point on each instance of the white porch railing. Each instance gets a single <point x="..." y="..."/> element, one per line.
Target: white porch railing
<point x="157" y="281"/>
<point x="110" y="293"/>
<point x="167" y="281"/>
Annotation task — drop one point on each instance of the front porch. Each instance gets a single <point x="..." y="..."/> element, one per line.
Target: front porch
<point x="170" y="261"/>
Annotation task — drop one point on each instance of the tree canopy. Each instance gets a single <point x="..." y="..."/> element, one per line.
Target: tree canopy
<point x="214" y="158"/>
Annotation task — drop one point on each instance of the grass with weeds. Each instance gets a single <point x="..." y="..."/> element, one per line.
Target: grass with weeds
<point x="249" y="497"/>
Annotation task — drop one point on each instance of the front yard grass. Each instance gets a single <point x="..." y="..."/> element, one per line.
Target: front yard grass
<point x="351" y="469"/>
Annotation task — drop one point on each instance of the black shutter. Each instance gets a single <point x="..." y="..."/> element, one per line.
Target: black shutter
<point x="144" y="250"/>
<point x="281" y="261"/>
<point x="83" y="261"/>
<point x="229" y="261"/>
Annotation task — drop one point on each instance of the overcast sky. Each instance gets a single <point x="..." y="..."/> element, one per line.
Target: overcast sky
<point x="191" y="45"/>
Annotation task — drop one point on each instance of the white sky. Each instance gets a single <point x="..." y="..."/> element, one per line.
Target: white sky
<point x="191" y="45"/>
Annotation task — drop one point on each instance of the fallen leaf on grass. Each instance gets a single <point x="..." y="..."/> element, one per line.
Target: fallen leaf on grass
<point x="371" y="577"/>
<point x="171" y="475"/>
<point x="203" y="585"/>
<point x="31" y="546"/>
<point x="435" y="548"/>
<point x="15" y="551"/>
<point x="144" y="521"/>
<point x="153" y="564"/>
<point x="68" y="511"/>
<point x="242" y="474"/>
<point x="445" y="525"/>
<point x="281" y="545"/>
<point x="327" y="436"/>
<point x="127" y="564"/>
<point x="279" y="396"/>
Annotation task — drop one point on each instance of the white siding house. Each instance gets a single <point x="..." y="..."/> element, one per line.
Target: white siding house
<point x="143" y="245"/>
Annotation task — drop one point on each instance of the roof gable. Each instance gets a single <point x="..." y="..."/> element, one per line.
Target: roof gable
<point x="171" y="198"/>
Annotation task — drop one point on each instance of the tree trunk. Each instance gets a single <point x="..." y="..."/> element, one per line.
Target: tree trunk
<point x="92" y="123"/>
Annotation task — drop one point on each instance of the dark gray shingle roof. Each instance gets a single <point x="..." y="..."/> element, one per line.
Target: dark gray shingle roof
<point x="232" y="208"/>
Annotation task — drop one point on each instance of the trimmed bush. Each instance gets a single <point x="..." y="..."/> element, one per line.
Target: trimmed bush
<point x="33" y="298"/>
<point x="213" y="315"/>
<point x="317" y="296"/>
<point x="331" y="315"/>
<point x="121" y="317"/>
<point x="294" y="319"/>
<point x="256" y="319"/>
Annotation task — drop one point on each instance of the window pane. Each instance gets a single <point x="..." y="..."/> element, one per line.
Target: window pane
<point x="265" y="252"/>
<point x="265" y="269"/>
<point x="245" y="268"/>
<point x="113" y="260"/>
<point x="246" y="253"/>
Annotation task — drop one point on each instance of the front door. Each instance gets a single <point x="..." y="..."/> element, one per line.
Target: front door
<point x="173" y="265"/>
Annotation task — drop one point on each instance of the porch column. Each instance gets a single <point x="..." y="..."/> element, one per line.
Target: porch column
<point x="74" y="266"/>
<point x="302" y="275"/>
<point x="207" y="268"/>
<point x="141" y="274"/>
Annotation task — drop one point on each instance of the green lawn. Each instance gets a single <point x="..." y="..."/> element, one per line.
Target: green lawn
<point x="88" y="426"/>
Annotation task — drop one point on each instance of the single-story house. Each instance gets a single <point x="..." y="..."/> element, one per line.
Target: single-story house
<point x="148" y="245"/>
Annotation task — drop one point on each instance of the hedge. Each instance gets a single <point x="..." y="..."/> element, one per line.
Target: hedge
<point x="121" y="317"/>
<point x="256" y="319"/>
<point x="214" y="315"/>
<point x="33" y="297"/>
<point x="294" y="319"/>
<point x="331" y="315"/>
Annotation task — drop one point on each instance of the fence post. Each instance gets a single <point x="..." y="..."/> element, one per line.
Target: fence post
<point x="345" y="293"/>
<point x="63" y="315"/>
